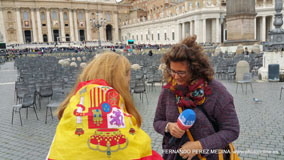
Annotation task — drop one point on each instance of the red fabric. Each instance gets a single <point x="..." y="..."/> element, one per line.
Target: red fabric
<point x="96" y="81"/>
<point x="196" y="92"/>
<point x="154" y="156"/>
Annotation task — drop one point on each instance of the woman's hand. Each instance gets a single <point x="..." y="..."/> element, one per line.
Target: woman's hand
<point x="190" y="149"/>
<point x="174" y="130"/>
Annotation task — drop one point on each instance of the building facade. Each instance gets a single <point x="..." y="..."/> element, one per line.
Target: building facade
<point x="169" y="21"/>
<point x="144" y="21"/>
<point x="39" y="21"/>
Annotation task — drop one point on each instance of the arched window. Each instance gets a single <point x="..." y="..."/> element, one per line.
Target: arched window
<point x="197" y="4"/>
<point x="190" y="5"/>
<point x="67" y="37"/>
<point x="80" y="16"/>
<point x="54" y="15"/>
<point x="26" y="15"/>
<point x="65" y="16"/>
<point x="9" y="15"/>
<point x="108" y="18"/>
<point x="45" y="38"/>
<point x="42" y="15"/>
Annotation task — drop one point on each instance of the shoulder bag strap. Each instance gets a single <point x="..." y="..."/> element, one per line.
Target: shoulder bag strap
<point x="189" y="135"/>
<point x="215" y="126"/>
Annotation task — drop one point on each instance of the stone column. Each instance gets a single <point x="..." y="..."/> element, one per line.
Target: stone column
<point x="71" y="26"/>
<point x="186" y="28"/>
<point x="204" y="31"/>
<point x="263" y="29"/>
<point x="180" y="31"/>
<point x="34" y="26"/>
<point x="191" y="28"/>
<point x="177" y="33"/>
<point x="218" y="31"/>
<point x="75" y="25"/>
<point x="2" y="27"/>
<point x="196" y="28"/>
<point x="183" y="31"/>
<point x="88" y="28"/>
<point x="264" y="3"/>
<point x="116" y="31"/>
<point x="62" y="25"/>
<point x="20" y="38"/>
<point x="48" y="25"/>
<point x="185" y="6"/>
<point x="40" y="38"/>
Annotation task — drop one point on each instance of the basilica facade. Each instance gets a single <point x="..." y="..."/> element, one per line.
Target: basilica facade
<point x="42" y="21"/>
<point x="144" y="21"/>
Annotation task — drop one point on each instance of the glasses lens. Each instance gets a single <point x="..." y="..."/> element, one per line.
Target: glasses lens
<point x="181" y="74"/>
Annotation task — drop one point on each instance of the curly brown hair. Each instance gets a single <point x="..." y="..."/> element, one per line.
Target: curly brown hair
<point x="188" y="50"/>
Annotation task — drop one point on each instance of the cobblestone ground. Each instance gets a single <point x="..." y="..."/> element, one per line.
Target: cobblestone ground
<point x="261" y="137"/>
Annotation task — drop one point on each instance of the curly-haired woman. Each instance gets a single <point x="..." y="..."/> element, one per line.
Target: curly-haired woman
<point x="191" y="85"/>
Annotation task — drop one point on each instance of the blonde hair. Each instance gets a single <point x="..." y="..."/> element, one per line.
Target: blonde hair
<point x="113" y="68"/>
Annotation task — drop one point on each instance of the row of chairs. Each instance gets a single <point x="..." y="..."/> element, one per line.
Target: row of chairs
<point x="32" y="98"/>
<point x="41" y="77"/>
<point x="225" y="66"/>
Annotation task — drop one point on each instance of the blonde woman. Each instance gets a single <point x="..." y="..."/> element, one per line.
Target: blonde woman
<point x="98" y="118"/>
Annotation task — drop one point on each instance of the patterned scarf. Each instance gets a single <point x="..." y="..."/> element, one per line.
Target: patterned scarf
<point x="189" y="96"/>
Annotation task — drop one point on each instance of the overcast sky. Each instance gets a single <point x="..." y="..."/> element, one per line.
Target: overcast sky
<point x="118" y="0"/>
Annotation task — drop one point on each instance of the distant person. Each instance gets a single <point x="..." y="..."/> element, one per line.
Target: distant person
<point x="191" y="85"/>
<point x="150" y="53"/>
<point x="6" y="56"/>
<point x="246" y="51"/>
<point x="98" y="119"/>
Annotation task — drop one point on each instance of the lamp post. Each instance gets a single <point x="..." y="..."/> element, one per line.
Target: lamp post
<point x="98" y="23"/>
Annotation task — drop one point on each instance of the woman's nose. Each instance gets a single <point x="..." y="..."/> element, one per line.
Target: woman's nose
<point x="175" y="76"/>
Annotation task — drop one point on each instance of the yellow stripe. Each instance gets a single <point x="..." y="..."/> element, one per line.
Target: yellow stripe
<point x="220" y="155"/>
<point x="96" y="95"/>
<point x="104" y="95"/>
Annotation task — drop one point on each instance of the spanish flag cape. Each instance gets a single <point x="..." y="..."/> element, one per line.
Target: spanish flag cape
<point x="95" y="125"/>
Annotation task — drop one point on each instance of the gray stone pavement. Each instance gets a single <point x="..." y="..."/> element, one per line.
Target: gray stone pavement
<point x="261" y="137"/>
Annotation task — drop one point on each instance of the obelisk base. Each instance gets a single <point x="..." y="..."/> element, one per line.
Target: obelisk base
<point x="240" y="27"/>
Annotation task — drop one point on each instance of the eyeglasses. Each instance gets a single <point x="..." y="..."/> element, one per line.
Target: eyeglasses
<point x="179" y="73"/>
